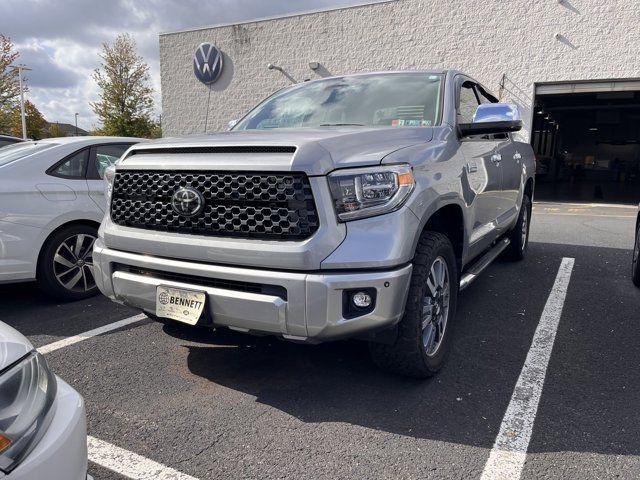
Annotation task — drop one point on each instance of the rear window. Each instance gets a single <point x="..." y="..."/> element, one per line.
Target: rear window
<point x="14" y="152"/>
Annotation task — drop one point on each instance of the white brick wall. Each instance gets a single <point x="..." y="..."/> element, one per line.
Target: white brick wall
<point x="600" y="40"/>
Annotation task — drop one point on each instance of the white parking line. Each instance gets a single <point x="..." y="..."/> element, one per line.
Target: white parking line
<point x="129" y="464"/>
<point x="109" y="456"/>
<point x="65" y="342"/>
<point x="509" y="452"/>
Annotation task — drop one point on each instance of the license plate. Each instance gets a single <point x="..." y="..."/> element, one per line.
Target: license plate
<point x="181" y="305"/>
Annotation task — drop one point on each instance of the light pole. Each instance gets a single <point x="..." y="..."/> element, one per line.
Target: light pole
<point x="76" y="124"/>
<point x="20" y="68"/>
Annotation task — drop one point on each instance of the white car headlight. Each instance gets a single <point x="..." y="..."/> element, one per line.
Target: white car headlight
<point x="109" y="177"/>
<point x="365" y="192"/>
<point x="27" y="392"/>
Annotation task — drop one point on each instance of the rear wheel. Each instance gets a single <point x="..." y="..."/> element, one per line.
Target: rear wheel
<point x="425" y="331"/>
<point x="636" y="259"/>
<point x="519" y="235"/>
<point x="65" y="268"/>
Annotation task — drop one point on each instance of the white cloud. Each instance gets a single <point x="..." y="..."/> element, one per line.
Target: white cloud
<point x="61" y="40"/>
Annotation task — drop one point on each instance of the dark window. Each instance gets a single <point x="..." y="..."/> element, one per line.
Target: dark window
<point x="73" y="166"/>
<point x="468" y="103"/>
<point x="105" y="156"/>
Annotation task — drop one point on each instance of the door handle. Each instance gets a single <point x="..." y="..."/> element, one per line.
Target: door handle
<point x="472" y="167"/>
<point x="496" y="158"/>
<point x="517" y="156"/>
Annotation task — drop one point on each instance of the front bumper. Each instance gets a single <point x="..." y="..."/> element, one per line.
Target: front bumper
<point x="61" y="454"/>
<point x="311" y="310"/>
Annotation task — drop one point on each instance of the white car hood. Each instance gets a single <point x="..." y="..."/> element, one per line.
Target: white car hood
<point x="13" y="346"/>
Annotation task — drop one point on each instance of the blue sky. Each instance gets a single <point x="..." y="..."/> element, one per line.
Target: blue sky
<point x="60" y="40"/>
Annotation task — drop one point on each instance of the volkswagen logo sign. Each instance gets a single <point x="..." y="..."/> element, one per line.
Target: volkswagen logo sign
<point x="207" y="63"/>
<point x="187" y="202"/>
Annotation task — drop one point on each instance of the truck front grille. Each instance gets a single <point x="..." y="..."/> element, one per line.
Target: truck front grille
<point x="235" y="204"/>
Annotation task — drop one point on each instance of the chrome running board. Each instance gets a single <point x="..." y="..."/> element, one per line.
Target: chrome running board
<point x="483" y="262"/>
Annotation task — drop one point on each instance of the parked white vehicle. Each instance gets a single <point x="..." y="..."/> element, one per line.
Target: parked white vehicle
<point x="51" y="205"/>
<point x="43" y="429"/>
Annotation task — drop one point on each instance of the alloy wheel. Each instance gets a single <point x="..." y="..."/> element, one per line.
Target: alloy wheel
<point x="73" y="263"/>
<point x="435" y="306"/>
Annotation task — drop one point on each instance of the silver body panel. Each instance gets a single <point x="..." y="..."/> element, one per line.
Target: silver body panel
<point x="312" y="310"/>
<point x="367" y="253"/>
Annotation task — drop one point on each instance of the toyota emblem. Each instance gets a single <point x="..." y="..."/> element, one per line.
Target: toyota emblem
<point x="187" y="202"/>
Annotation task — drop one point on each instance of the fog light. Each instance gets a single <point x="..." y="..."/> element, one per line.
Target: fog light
<point x="361" y="300"/>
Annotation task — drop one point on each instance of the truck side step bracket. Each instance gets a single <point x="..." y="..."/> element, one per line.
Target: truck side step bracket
<point x="483" y="262"/>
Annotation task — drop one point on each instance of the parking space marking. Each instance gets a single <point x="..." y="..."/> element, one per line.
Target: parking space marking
<point x="129" y="464"/>
<point x="65" y="342"/>
<point x="509" y="451"/>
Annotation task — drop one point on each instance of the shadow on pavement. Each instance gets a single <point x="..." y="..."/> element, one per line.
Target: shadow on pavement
<point x="588" y="395"/>
<point x="337" y="382"/>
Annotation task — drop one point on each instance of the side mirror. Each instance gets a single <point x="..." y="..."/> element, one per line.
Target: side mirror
<point x="231" y="124"/>
<point x="493" y="118"/>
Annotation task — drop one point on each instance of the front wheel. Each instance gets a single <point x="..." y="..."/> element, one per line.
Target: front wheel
<point x="636" y="259"/>
<point x="425" y="331"/>
<point x="65" y="268"/>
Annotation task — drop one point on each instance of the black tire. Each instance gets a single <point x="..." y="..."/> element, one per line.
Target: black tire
<point x="519" y="238"/>
<point x="408" y="355"/>
<point x="78" y="260"/>
<point x="636" y="259"/>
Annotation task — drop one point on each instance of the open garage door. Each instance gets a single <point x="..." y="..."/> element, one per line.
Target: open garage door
<point x="586" y="136"/>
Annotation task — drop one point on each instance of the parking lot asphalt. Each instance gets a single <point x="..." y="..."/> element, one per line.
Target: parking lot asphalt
<point x="223" y="405"/>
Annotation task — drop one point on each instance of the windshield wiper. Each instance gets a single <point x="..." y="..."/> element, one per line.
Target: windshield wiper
<point x="341" y="125"/>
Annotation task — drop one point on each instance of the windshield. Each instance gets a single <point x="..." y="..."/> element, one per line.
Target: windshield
<point x="389" y="99"/>
<point x="17" y="151"/>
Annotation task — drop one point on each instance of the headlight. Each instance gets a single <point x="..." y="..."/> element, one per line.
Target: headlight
<point x="27" y="391"/>
<point x="109" y="177"/>
<point x="365" y="192"/>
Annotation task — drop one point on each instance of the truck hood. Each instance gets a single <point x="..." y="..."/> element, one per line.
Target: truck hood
<point x="13" y="346"/>
<point x="314" y="151"/>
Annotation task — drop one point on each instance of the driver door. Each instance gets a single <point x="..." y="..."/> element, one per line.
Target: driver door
<point x="482" y="176"/>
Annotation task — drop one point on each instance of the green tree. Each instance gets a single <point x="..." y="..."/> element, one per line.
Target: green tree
<point x="36" y="124"/>
<point x="126" y="101"/>
<point x="155" y="131"/>
<point x="56" y="130"/>
<point x="9" y="83"/>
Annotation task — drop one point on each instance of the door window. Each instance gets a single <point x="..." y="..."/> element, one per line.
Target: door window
<point x="105" y="156"/>
<point x="73" y="166"/>
<point x="485" y="97"/>
<point x="468" y="103"/>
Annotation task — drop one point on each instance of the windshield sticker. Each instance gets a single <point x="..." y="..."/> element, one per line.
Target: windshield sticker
<point x="410" y="123"/>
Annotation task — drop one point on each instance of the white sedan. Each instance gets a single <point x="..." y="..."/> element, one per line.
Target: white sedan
<point x="43" y="429"/>
<point x="51" y="205"/>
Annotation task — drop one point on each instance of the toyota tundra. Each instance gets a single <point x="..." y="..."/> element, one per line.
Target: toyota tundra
<point x="352" y="206"/>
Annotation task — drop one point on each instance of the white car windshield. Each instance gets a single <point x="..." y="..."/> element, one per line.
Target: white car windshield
<point x="14" y="152"/>
<point x="386" y="99"/>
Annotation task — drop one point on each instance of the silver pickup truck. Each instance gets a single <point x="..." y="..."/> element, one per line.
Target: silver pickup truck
<point x="352" y="206"/>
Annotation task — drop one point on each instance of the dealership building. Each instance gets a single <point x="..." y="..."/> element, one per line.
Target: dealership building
<point x="573" y="66"/>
